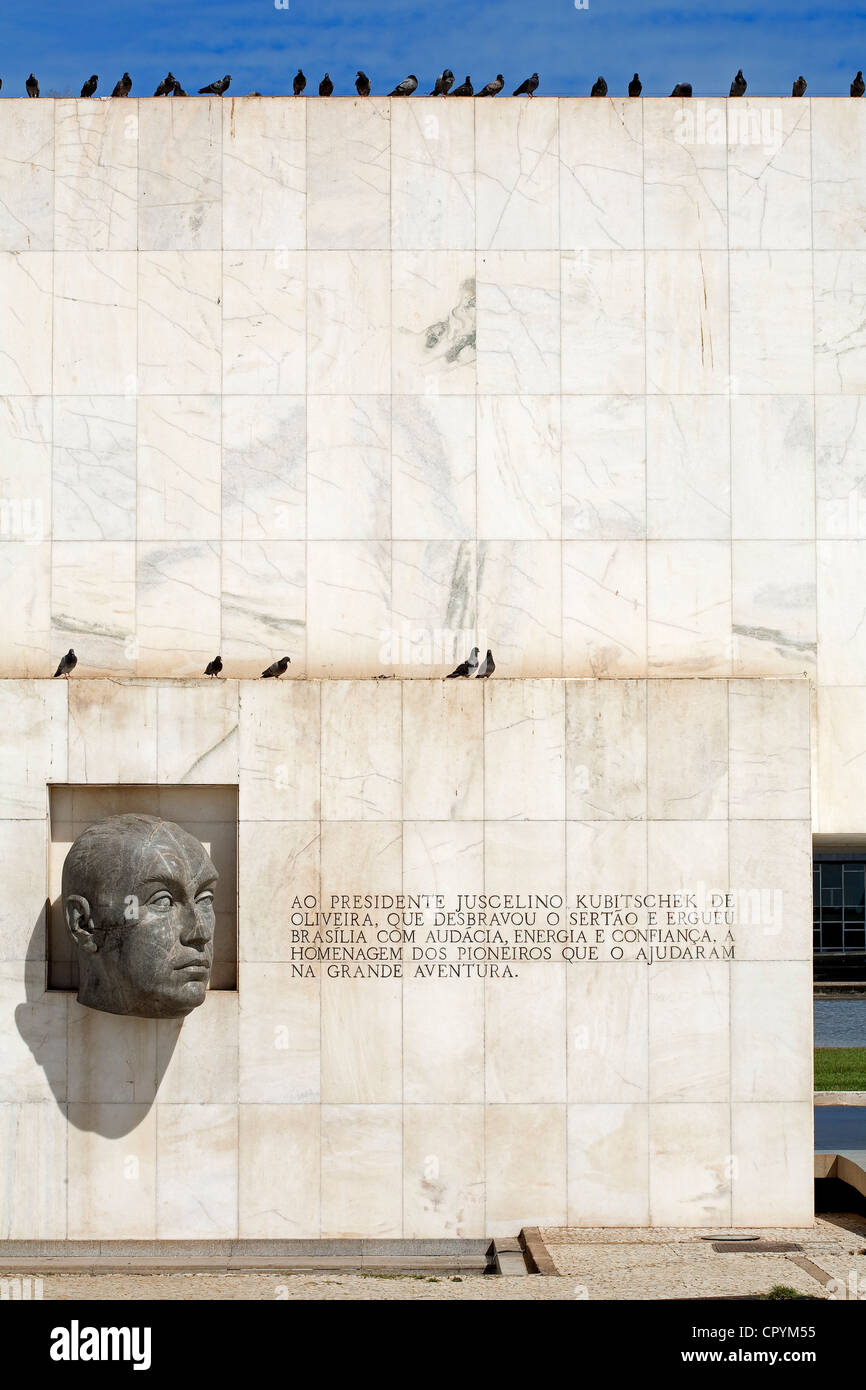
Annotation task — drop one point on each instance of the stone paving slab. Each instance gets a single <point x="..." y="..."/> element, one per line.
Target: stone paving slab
<point x="678" y="1263"/>
<point x="824" y="1229"/>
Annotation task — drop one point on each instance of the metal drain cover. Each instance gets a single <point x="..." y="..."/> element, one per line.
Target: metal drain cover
<point x="756" y="1247"/>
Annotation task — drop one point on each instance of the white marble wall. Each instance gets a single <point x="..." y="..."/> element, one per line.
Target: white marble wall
<point x="284" y="376"/>
<point x="615" y="1093"/>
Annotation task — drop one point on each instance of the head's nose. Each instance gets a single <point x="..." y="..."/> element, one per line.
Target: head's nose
<point x="197" y="924"/>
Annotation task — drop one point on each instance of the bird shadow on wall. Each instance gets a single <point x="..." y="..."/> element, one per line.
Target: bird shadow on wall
<point x="104" y="1070"/>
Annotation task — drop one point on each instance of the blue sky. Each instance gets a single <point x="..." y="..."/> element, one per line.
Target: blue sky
<point x="63" y="41"/>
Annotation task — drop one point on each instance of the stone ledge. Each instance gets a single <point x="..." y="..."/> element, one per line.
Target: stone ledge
<point x="840" y="1097"/>
<point x="222" y="1251"/>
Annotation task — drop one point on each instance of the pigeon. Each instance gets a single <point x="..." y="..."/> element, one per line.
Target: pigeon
<point x="739" y="84"/>
<point x="799" y="87"/>
<point x="277" y="668"/>
<point x="858" y="86"/>
<point x="466" y="668"/>
<point x="216" y="89"/>
<point x="32" y="86"/>
<point x="599" y="88"/>
<point x="299" y="83"/>
<point x="67" y="663"/>
<point x="682" y="89"/>
<point x="123" y="87"/>
<point x="326" y="86"/>
<point x="406" y="87"/>
<point x="166" y="86"/>
<point x="443" y="84"/>
<point x="487" y="667"/>
<point x="362" y="84"/>
<point x="493" y="88"/>
<point x="214" y="667"/>
<point x="465" y="90"/>
<point x="528" y="87"/>
<point x="178" y="91"/>
<point x="635" y="87"/>
<point x="90" y="86"/>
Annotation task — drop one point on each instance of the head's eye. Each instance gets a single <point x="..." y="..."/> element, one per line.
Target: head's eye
<point x="205" y="897"/>
<point x="161" y="899"/>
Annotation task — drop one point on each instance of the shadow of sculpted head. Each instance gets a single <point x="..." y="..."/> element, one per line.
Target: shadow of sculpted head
<point x="138" y="898"/>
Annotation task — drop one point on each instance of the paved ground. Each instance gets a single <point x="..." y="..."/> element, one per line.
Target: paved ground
<point x="592" y="1264"/>
<point x="270" y="1287"/>
<point x="669" y="1263"/>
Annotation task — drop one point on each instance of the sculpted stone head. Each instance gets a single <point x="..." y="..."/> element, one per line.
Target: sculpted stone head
<point x="138" y="898"/>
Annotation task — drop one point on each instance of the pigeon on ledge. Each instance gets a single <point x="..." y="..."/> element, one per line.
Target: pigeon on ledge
<point x="216" y="89"/>
<point x="406" y="87"/>
<point x="527" y="88"/>
<point x="443" y="84"/>
<point x="493" y="88"/>
<point x="487" y="667"/>
<point x="67" y="663"/>
<point x="466" y="668"/>
<point x="277" y="669"/>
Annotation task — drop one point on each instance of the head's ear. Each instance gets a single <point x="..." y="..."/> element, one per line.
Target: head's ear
<point x="80" y="923"/>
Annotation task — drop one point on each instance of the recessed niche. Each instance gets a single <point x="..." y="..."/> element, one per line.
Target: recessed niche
<point x="209" y="813"/>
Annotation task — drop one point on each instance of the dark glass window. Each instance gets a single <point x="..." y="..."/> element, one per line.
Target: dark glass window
<point x="839" y="905"/>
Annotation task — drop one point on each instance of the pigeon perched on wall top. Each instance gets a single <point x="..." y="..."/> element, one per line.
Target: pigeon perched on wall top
<point x="178" y="91"/>
<point x="635" y="87"/>
<point x="166" y="86"/>
<point x="326" y="86"/>
<point x="466" y="668"/>
<point x="682" y="89"/>
<point x="599" y="88"/>
<point x="739" y="84"/>
<point x="406" y="87"/>
<point x="90" y="86"/>
<point x="299" y="83"/>
<point x="465" y="89"/>
<point x="67" y="663"/>
<point x="799" y="87"/>
<point x="858" y="86"/>
<point x="32" y="86"/>
<point x="277" y="668"/>
<point x="493" y="88"/>
<point x="487" y="667"/>
<point x="527" y="88"/>
<point x="362" y="84"/>
<point x="123" y="87"/>
<point x="214" y="667"/>
<point x="216" y="89"/>
<point x="443" y="84"/>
